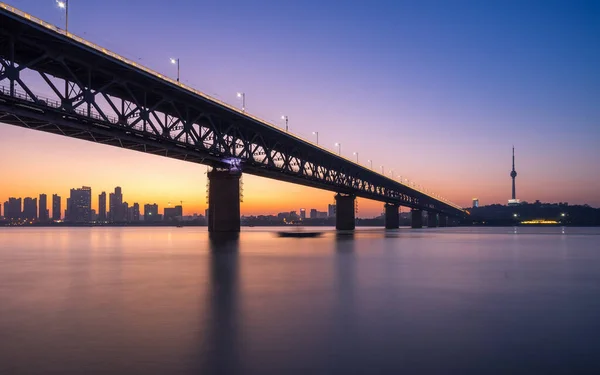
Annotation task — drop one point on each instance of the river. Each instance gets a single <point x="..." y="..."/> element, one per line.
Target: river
<point x="172" y="301"/>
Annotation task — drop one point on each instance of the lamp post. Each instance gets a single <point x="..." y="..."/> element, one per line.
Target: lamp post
<point x="286" y="122"/>
<point x="64" y="4"/>
<point x="176" y="61"/>
<point x="370" y="164"/>
<point x="242" y="95"/>
<point x="356" y="153"/>
<point x="381" y="166"/>
<point x="317" y="134"/>
<point x="339" y="146"/>
<point x="392" y="173"/>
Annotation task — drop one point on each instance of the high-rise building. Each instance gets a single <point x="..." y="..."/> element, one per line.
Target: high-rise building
<point x="125" y="208"/>
<point x="513" y="174"/>
<point x="133" y="213"/>
<point x="117" y="212"/>
<point x="331" y="210"/>
<point x="102" y="207"/>
<point x="43" y="208"/>
<point x="151" y="213"/>
<point x="303" y="213"/>
<point x="12" y="209"/>
<point x="55" y="207"/>
<point x="173" y="213"/>
<point x="313" y="213"/>
<point x="475" y="202"/>
<point x="79" y="205"/>
<point x="30" y="209"/>
<point x="67" y="209"/>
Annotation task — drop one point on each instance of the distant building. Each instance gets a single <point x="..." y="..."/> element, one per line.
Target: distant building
<point x="172" y="213"/>
<point x="43" y="208"/>
<point x="151" y="213"/>
<point x="331" y="210"/>
<point x="30" y="209"/>
<point x="12" y="209"/>
<point x="302" y="213"/>
<point x="475" y="202"/>
<point x="102" y="207"/>
<point x="56" y="207"/>
<point x="118" y="212"/>
<point x="79" y="205"/>
<point x="313" y="213"/>
<point x="322" y="215"/>
<point x="133" y="214"/>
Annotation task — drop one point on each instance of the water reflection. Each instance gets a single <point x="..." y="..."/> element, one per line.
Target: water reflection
<point x="345" y="330"/>
<point x="220" y="355"/>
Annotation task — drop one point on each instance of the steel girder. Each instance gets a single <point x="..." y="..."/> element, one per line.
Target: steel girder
<point x="94" y="97"/>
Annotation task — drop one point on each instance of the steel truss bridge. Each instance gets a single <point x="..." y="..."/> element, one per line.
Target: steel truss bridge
<point x="93" y="94"/>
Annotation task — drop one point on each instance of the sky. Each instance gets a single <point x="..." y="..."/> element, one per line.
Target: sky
<point x="436" y="91"/>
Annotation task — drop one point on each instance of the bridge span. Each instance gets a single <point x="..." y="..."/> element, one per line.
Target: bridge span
<point x="54" y="81"/>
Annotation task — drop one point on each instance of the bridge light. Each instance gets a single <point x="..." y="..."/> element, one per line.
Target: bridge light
<point x="176" y="61"/>
<point x="339" y="146"/>
<point x="243" y="97"/>
<point x="64" y="4"/>
<point x="370" y="164"/>
<point x="356" y="153"/>
<point x="317" y="134"/>
<point x="286" y="122"/>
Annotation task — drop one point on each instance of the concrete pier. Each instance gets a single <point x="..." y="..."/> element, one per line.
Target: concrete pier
<point x="224" y="201"/>
<point x="392" y="216"/>
<point x="432" y="220"/>
<point x="344" y="212"/>
<point x="416" y="218"/>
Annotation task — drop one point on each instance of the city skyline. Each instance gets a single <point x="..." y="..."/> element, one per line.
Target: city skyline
<point x="35" y="207"/>
<point x="543" y="103"/>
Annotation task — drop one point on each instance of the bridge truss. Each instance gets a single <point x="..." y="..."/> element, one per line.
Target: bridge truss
<point x="54" y="82"/>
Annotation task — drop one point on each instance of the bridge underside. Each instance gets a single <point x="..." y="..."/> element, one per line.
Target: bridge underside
<point x="53" y="83"/>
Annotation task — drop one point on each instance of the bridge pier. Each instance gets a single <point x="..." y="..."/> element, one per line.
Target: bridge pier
<point x="443" y="221"/>
<point x="344" y="212"/>
<point x="392" y="216"/>
<point x="431" y="220"/>
<point x="416" y="218"/>
<point x="224" y="201"/>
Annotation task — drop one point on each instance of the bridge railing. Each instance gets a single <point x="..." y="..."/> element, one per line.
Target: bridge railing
<point x="199" y="93"/>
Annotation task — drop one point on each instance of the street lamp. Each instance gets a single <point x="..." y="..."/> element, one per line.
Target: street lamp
<point x="176" y="61"/>
<point x="64" y="4"/>
<point x="392" y="173"/>
<point x="381" y="166"/>
<point x="242" y="95"/>
<point x="286" y="122"/>
<point x="370" y="164"/>
<point x="356" y="153"/>
<point x="317" y="134"/>
<point x="339" y="146"/>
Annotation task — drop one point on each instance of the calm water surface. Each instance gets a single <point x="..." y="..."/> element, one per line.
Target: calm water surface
<point x="171" y="301"/>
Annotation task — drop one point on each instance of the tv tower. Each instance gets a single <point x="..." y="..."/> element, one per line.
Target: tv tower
<point x="513" y="175"/>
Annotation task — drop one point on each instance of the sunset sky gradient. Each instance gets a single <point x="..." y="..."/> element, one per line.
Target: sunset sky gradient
<point x="438" y="91"/>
